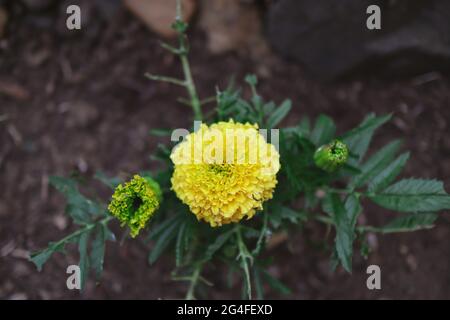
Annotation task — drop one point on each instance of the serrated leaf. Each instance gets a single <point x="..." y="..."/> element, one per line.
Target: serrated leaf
<point x="81" y="209"/>
<point x="39" y="258"/>
<point x="358" y="139"/>
<point x="413" y="195"/>
<point x="372" y="167"/>
<point x="353" y="209"/>
<point x="280" y="213"/>
<point x="218" y="243"/>
<point x="412" y="222"/>
<point x="163" y="241"/>
<point x="388" y="175"/>
<point x="84" y="257"/>
<point x="344" y="233"/>
<point x="279" y="114"/>
<point x="97" y="255"/>
<point x="324" y="130"/>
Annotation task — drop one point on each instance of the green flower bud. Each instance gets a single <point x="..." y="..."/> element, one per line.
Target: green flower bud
<point x="134" y="202"/>
<point x="331" y="156"/>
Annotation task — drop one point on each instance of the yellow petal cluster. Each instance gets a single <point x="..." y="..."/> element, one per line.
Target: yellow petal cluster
<point x="225" y="171"/>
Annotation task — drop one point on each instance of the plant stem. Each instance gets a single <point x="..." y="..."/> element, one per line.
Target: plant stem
<point x="244" y="254"/>
<point x="189" y="82"/>
<point x="190" y="86"/>
<point x="166" y="79"/>
<point x="85" y="228"/>
<point x="194" y="280"/>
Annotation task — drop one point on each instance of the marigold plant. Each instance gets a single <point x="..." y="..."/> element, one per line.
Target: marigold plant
<point x="220" y="197"/>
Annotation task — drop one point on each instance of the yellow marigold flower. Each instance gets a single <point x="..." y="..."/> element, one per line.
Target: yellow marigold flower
<point x="225" y="171"/>
<point x="134" y="202"/>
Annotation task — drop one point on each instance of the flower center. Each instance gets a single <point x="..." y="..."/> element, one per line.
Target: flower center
<point x="137" y="202"/>
<point x="220" y="169"/>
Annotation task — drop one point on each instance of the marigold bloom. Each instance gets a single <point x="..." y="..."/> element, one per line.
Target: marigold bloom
<point x="134" y="202"/>
<point x="225" y="171"/>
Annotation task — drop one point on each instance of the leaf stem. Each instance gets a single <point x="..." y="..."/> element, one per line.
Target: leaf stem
<point x="166" y="79"/>
<point x="244" y="254"/>
<point x="190" y="86"/>
<point x="194" y="281"/>
<point x="86" y="228"/>
<point x="182" y="52"/>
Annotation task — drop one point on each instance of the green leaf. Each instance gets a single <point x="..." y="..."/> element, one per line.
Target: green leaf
<point x="97" y="256"/>
<point x="413" y="195"/>
<point x="324" y="130"/>
<point x="304" y="127"/>
<point x="161" y="132"/>
<point x="358" y="139"/>
<point x="179" y="247"/>
<point x="269" y="107"/>
<point x="81" y="209"/>
<point x="39" y="258"/>
<point x="353" y="209"/>
<point x="372" y="167"/>
<point x="388" y="175"/>
<point x="251" y="79"/>
<point x="280" y="213"/>
<point x="279" y="114"/>
<point x="218" y="243"/>
<point x="344" y="233"/>
<point x="258" y="284"/>
<point x="163" y="240"/>
<point x="84" y="257"/>
<point x="157" y="230"/>
<point x="412" y="222"/>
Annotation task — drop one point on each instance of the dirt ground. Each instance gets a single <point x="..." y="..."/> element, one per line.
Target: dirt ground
<point x="81" y="102"/>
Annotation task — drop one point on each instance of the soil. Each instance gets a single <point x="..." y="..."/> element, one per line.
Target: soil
<point x="79" y="102"/>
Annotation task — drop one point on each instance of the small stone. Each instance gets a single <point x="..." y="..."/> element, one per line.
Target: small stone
<point x="60" y="221"/>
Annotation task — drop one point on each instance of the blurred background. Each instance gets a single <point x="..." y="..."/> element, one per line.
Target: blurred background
<point x="78" y="101"/>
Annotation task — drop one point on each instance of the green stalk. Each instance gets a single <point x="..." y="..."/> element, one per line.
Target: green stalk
<point x="182" y="52"/>
<point x="190" y="86"/>
<point x="86" y="228"/>
<point x="193" y="282"/>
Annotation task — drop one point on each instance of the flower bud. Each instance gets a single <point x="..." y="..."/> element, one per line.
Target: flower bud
<point x="134" y="202"/>
<point x="331" y="156"/>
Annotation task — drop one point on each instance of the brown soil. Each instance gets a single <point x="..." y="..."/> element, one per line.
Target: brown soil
<point x="80" y="102"/>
